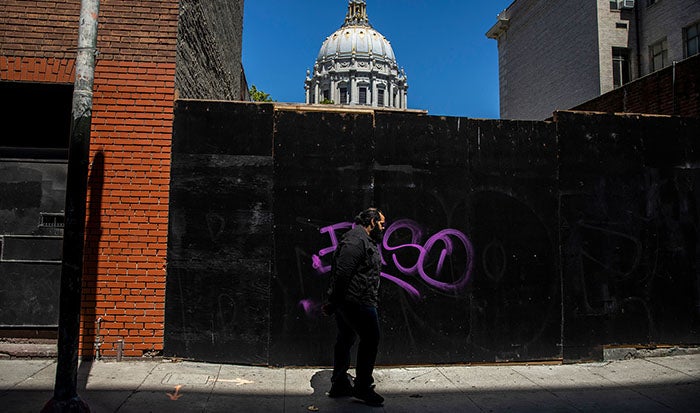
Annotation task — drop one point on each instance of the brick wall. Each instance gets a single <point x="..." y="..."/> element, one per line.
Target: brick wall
<point x="654" y="93"/>
<point x="126" y="235"/>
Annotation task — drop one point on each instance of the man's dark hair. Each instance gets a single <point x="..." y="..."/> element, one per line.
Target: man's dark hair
<point x="366" y="217"/>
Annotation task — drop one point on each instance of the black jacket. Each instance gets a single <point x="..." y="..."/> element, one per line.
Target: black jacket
<point x="355" y="270"/>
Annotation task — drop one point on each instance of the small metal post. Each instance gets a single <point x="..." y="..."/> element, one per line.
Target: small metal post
<point x="120" y="349"/>
<point x="98" y="339"/>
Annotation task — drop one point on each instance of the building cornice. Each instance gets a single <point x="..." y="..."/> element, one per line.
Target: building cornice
<point x="499" y="28"/>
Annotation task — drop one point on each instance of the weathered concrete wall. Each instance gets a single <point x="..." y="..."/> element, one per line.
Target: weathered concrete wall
<point x="210" y="35"/>
<point x="507" y="240"/>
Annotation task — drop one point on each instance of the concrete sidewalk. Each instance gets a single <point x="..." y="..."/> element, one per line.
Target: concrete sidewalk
<point x="660" y="384"/>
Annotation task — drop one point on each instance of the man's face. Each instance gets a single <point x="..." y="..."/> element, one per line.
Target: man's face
<point x="381" y="222"/>
<point x="376" y="231"/>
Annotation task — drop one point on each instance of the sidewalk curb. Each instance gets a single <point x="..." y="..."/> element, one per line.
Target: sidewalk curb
<point x="39" y="351"/>
<point x="26" y="350"/>
<point x="627" y="353"/>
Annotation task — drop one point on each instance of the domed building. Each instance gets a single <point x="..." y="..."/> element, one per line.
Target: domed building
<point x="356" y="66"/>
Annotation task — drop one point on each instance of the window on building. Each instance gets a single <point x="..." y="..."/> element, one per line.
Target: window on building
<point x="380" y="97"/>
<point x="622" y="4"/>
<point x="326" y="95"/>
<point x="343" y="95"/>
<point x="691" y="35"/>
<point x="363" y="96"/>
<point x="658" y="55"/>
<point x="621" y="66"/>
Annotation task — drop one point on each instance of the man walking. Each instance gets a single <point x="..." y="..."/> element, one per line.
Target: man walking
<point x="353" y="296"/>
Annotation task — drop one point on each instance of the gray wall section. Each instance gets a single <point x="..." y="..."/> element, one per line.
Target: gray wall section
<point x="209" y="50"/>
<point x="508" y="240"/>
<point x="30" y="254"/>
<point x="666" y="20"/>
<point x="550" y="51"/>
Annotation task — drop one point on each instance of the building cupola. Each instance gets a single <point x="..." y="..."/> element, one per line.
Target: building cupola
<point x="356" y="66"/>
<point x="357" y="14"/>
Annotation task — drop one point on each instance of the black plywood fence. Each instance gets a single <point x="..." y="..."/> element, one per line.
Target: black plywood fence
<point x="507" y="240"/>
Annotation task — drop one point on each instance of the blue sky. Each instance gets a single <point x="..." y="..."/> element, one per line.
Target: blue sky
<point x="452" y="67"/>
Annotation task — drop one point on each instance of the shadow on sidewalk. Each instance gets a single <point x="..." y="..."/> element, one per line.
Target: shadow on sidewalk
<point x="672" y="397"/>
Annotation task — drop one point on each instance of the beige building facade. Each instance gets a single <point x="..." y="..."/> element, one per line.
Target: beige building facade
<point x="557" y="54"/>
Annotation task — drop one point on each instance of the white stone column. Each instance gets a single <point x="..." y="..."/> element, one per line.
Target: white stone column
<point x="375" y="94"/>
<point x="352" y="89"/>
<point x="390" y="92"/>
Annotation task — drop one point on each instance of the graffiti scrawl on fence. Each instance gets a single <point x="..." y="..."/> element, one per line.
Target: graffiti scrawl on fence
<point x="409" y="258"/>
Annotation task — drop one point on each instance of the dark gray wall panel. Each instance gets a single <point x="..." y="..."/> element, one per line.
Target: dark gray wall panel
<point x="630" y="226"/>
<point x="220" y="242"/>
<point x="30" y="251"/>
<point x="29" y="294"/>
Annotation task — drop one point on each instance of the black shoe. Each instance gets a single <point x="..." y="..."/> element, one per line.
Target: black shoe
<point x="368" y="395"/>
<point x="340" y="389"/>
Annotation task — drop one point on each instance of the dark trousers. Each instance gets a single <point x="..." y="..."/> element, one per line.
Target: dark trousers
<point x="355" y="320"/>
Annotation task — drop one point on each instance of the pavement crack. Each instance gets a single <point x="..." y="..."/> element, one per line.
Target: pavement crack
<point x="8" y="390"/>
<point x="137" y="390"/>
<point x="211" y="391"/>
<point x="465" y="393"/>
<point x="420" y="375"/>
<point x="284" y="392"/>
<point x="548" y="390"/>
<point x="695" y="378"/>
<point x="631" y="388"/>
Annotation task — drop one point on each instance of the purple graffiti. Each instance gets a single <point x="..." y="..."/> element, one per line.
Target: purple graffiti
<point x="311" y="307"/>
<point x="448" y="239"/>
<point x="403" y="284"/>
<point x="330" y="230"/>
